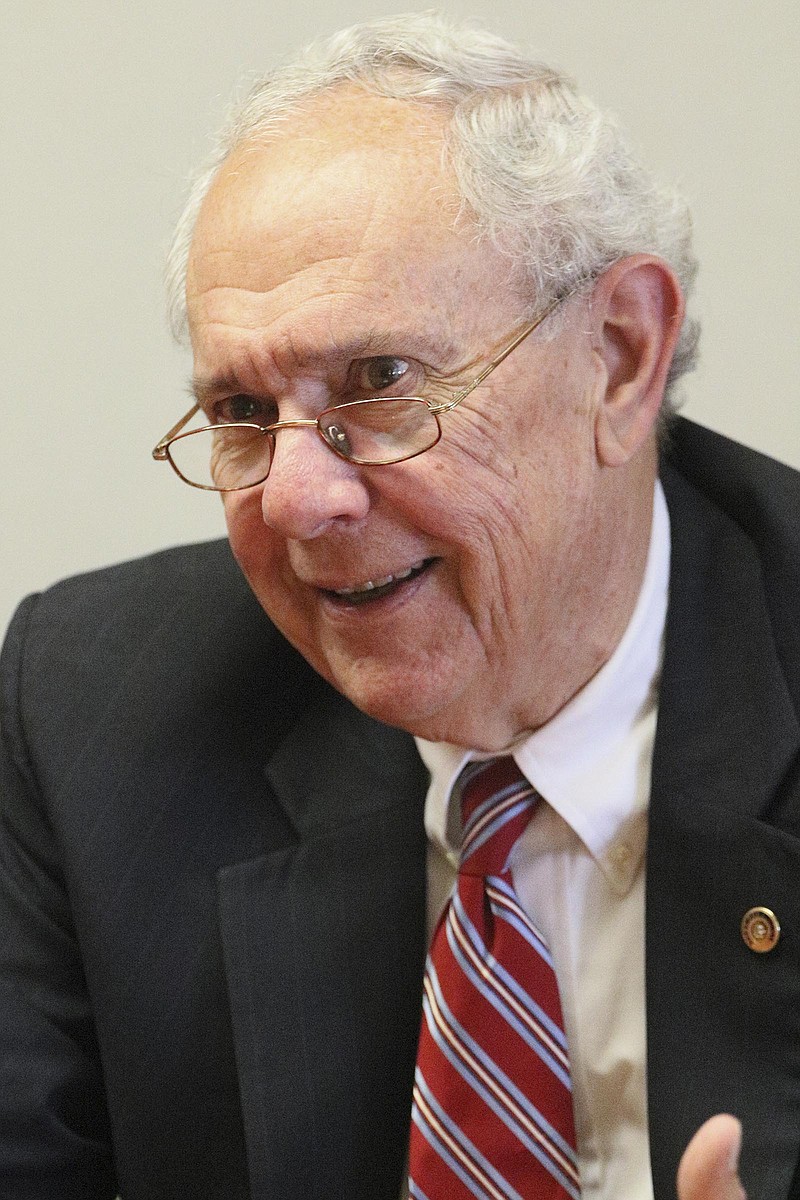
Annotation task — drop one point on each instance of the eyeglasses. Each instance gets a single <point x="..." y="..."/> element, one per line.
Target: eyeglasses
<point x="237" y="455"/>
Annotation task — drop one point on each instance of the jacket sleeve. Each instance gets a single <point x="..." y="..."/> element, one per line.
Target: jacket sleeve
<point x="55" y="1140"/>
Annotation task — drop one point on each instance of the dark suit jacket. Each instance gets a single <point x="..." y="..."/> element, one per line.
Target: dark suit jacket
<point x="212" y="877"/>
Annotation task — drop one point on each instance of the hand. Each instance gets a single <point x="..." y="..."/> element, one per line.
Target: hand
<point x="709" y="1169"/>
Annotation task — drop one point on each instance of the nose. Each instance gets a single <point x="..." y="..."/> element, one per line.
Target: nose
<point x="309" y="488"/>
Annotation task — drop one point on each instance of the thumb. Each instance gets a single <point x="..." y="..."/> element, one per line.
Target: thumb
<point x="709" y="1169"/>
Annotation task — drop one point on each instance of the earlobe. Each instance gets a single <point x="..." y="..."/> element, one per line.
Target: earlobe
<point x="612" y="449"/>
<point x="637" y="306"/>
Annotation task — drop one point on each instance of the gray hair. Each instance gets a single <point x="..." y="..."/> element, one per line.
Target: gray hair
<point x="545" y="174"/>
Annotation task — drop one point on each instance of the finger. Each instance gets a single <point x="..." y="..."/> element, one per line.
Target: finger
<point x="709" y="1169"/>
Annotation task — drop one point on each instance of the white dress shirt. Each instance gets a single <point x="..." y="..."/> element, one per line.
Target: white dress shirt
<point x="579" y="873"/>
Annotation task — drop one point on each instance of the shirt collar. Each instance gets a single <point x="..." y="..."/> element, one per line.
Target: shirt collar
<point x="591" y="761"/>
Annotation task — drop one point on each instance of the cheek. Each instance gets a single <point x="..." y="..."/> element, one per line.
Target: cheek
<point x="478" y="496"/>
<point x="262" y="558"/>
<point x="240" y="514"/>
<point x="516" y="514"/>
<point x="255" y="548"/>
<point x="472" y="510"/>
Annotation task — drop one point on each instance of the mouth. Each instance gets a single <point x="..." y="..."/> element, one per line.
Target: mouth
<point x="375" y="589"/>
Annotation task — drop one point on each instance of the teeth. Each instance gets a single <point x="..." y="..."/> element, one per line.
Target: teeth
<point x="371" y="584"/>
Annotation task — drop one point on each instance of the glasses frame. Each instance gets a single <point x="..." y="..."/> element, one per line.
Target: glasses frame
<point x="161" y="449"/>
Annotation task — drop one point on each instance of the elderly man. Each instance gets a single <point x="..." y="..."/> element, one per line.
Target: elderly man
<point x="435" y="308"/>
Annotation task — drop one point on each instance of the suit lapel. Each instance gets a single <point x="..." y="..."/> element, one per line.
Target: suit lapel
<point x="324" y="945"/>
<point x="723" y="1022"/>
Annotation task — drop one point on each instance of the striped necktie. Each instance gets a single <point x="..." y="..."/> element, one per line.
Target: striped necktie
<point x="492" y="1115"/>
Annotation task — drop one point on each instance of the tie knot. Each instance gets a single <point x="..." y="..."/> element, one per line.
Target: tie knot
<point x="496" y="804"/>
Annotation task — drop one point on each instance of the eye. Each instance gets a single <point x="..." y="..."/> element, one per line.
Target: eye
<point x="247" y="409"/>
<point x="379" y="374"/>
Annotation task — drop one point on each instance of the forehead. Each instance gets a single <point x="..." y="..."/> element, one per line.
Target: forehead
<point x="344" y="146"/>
<point x="350" y="202"/>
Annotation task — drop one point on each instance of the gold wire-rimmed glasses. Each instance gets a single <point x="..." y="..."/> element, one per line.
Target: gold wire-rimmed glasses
<point x="375" y="432"/>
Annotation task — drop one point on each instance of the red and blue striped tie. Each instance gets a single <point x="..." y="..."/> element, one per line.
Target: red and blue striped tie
<point x="492" y="1114"/>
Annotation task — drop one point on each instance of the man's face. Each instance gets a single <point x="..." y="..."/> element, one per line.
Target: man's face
<point x="462" y="594"/>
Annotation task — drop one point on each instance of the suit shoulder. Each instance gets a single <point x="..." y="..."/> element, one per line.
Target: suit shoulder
<point x="174" y="644"/>
<point x="151" y="576"/>
<point x="184" y="615"/>
<point x="737" y="493"/>
<point x="127" y="601"/>
<point x="761" y="494"/>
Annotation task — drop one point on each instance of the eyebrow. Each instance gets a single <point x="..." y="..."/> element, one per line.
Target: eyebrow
<point x="368" y="345"/>
<point x="203" y="388"/>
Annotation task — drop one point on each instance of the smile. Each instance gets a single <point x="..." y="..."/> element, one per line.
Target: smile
<point x="373" y="589"/>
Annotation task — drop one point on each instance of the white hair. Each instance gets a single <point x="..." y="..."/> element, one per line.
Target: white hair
<point x="543" y="172"/>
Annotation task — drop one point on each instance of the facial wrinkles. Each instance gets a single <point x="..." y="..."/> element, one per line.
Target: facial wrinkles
<point x="460" y="504"/>
<point x="317" y="336"/>
<point x="367" y="274"/>
<point x="282" y="333"/>
<point x="240" y="309"/>
<point x="311" y="359"/>
<point x="503" y="528"/>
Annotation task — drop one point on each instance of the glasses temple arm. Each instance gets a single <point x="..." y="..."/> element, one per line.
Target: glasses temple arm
<point x="504" y="353"/>
<point x="160" y="451"/>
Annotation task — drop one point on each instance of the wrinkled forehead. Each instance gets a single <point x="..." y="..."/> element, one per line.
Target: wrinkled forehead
<point x="346" y="165"/>
<point x="346" y="215"/>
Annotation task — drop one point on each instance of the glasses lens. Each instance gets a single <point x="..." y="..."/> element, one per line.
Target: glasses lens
<point x="380" y="431"/>
<point x="224" y="458"/>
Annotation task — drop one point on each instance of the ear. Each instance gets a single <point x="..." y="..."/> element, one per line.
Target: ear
<point x="637" y="309"/>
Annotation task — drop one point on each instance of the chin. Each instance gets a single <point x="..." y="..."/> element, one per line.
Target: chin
<point x="431" y="707"/>
<point x="404" y="699"/>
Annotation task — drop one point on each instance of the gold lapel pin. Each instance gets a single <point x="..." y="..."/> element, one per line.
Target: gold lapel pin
<point x="760" y="929"/>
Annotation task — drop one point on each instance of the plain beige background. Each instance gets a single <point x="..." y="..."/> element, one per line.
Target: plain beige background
<point x="107" y="105"/>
